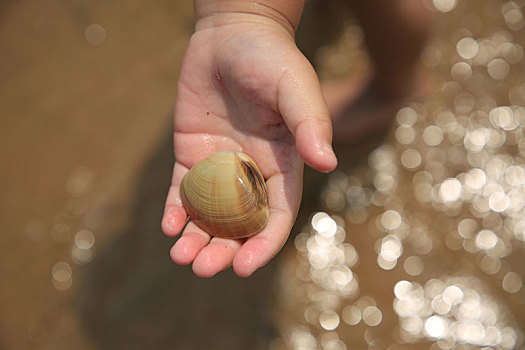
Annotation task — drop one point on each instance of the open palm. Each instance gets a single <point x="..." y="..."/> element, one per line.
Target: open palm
<point x="246" y="87"/>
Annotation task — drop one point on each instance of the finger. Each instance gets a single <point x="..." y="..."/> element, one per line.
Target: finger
<point x="188" y="246"/>
<point x="261" y="248"/>
<point x="215" y="257"/>
<point x="174" y="216"/>
<point x="304" y="110"/>
<point x="284" y="193"/>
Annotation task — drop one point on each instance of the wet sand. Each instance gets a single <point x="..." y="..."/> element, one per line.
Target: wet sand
<point x="85" y="144"/>
<point x="82" y="112"/>
<point x="85" y="147"/>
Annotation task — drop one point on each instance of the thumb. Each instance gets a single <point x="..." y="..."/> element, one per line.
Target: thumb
<point x="304" y="111"/>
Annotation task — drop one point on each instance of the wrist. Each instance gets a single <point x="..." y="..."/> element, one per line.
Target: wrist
<point x="212" y="13"/>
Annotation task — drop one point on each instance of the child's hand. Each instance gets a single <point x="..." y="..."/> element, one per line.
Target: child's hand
<point x="244" y="86"/>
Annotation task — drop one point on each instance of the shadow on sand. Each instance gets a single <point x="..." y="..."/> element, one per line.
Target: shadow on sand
<point x="134" y="297"/>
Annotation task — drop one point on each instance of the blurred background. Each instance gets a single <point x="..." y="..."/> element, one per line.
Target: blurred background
<point x="85" y="145"/>
<point x="87" y="97"/>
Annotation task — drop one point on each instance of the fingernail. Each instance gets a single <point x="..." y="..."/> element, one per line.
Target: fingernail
<point x="327" y="148"/>
<point x="329" y="152"/>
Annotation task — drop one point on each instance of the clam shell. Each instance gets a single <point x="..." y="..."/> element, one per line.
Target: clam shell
<point x="226" y="195"/>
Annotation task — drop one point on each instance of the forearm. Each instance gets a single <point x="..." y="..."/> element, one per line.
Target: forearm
<point x="285" y="12"/>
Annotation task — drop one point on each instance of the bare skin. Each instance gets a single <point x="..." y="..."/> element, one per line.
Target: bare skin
<point x="244" y="86"/>
<point x="395" y="33"/>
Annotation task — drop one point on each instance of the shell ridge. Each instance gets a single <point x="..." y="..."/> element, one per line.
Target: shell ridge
<point x="226" y="195"/>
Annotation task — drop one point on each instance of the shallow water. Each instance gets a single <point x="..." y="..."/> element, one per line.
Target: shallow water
<point x="86" y="101"/>
<point x="422" y="246"/>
